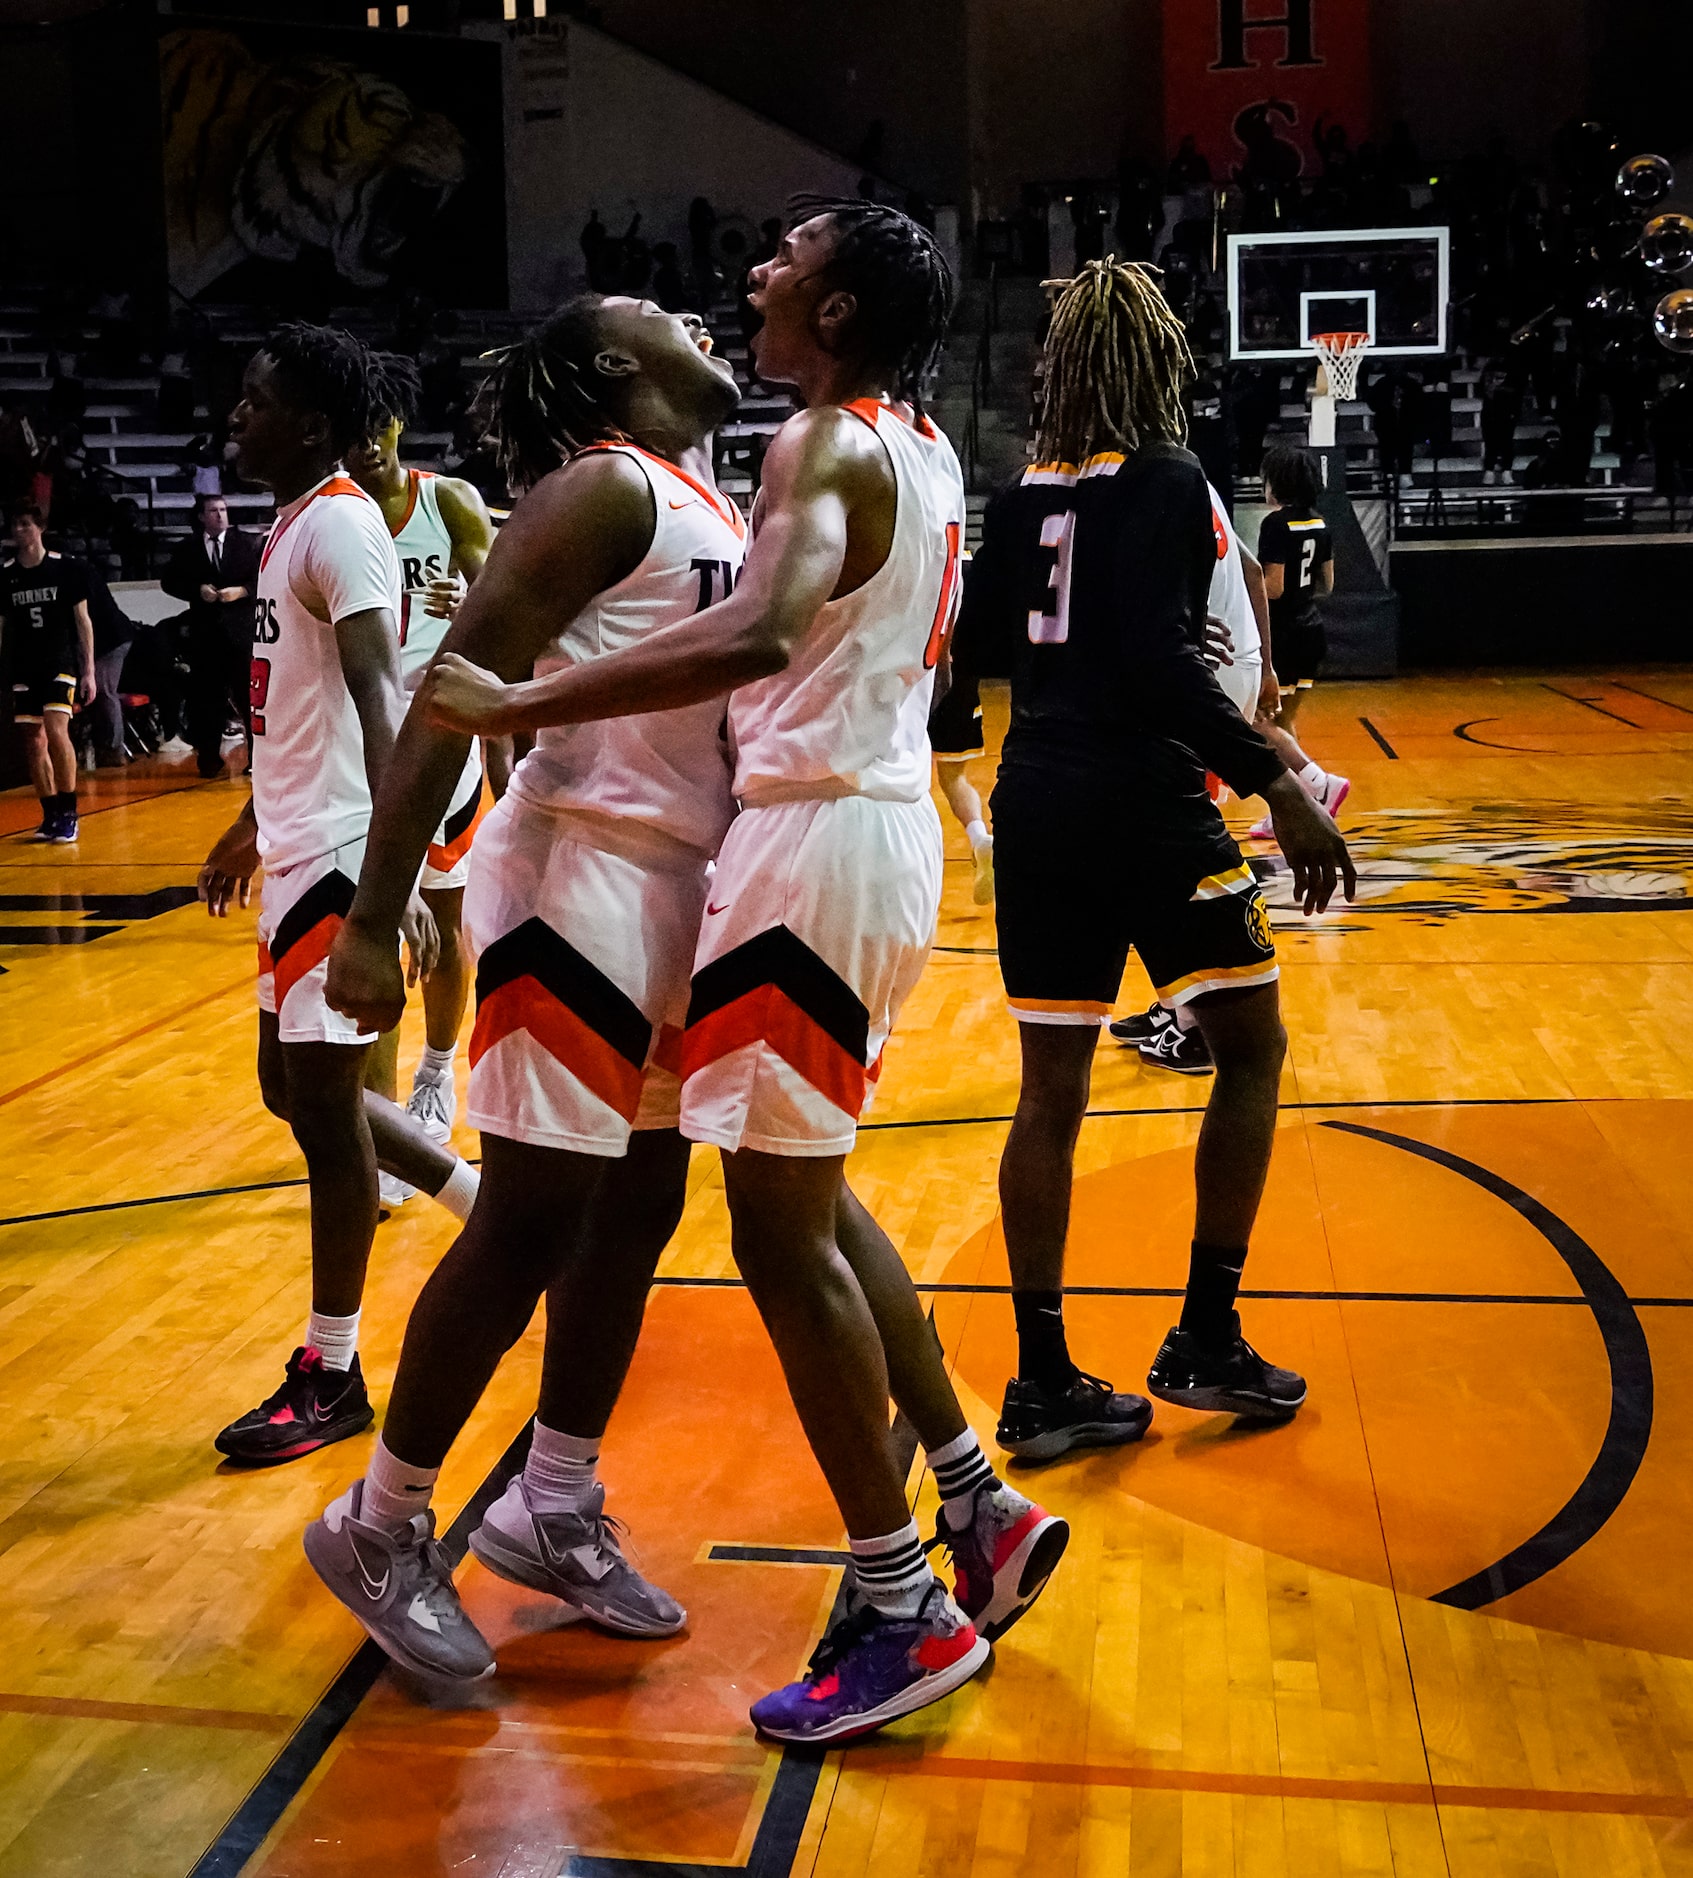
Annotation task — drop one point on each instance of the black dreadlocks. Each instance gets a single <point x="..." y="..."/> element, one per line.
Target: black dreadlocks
<point x="900" y="279"/>
<point x="398" y="390"/>
<point x="1116" y="361"/>
<point x="543" y="399"/>
<point x="325" y="369"/>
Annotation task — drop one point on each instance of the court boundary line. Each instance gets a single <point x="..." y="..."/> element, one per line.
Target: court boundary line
<point x="1622" y="1450"/>
<point x="944" y="1121"/>
<point x="1382" y="743"/>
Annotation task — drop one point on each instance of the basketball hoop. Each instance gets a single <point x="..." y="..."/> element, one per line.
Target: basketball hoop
<point x="1341" y="355"/>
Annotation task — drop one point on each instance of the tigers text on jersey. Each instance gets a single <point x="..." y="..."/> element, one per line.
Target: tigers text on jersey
<point x="425" y="552"/>
<point x="666" y="769"/>
<point x="1089" y="590"/>
<point x="849" y="716"/>
<point x="329" y="556"/>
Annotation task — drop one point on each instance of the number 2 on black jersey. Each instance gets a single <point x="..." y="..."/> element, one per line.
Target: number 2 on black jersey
<point x="1049" y="625"/>
<point x="1308" y="553"/>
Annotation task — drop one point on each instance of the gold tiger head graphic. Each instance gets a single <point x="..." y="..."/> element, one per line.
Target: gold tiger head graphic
<point x="267" y="158"/>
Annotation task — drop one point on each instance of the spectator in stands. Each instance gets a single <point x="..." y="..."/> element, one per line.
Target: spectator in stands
<point x="17" y="457"/>
<point x="1188" y="168"/>
<point x="1501" y="411"/>
<point x="114" y="631"/>
<point x="702" y="228"/>
<point x="204" y="458"/>
<point x="668" y="288"/>
<point x="216" y="571"/>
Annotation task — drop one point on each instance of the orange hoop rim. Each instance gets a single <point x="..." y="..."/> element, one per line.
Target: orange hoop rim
<point x="1339" y="343"/>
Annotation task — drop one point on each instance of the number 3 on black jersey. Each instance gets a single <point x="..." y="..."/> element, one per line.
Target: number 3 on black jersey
<point x="1049" y="624"/>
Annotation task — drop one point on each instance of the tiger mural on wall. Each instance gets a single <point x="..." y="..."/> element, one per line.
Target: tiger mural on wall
<point x="264" y="158"/>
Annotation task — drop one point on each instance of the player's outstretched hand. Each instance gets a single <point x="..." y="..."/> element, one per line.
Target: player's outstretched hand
<point x="423" y="940"/>
<point x="228" y="873"/>
<point x="1312" y="846"/>
<point x="1219" y="642"/>
<point x="460" y="696"/>
<point x="442" y="596"/>
<point x="365" y="981"/>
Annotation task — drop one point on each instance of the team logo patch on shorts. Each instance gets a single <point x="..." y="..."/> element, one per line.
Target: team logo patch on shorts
<point x="1258" y="922"/>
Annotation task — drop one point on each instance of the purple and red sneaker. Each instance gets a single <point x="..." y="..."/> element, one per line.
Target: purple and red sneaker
<point x="1003" y="1558"/>
<point x="314" y="1407"/>
<point x="870" y="1669"/>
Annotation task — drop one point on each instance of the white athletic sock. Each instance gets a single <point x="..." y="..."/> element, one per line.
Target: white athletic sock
<point x="891" y="1572"/>
<point x="560" y="1472"/>
<point x="1313" y="776"/>
<point x="335" y="1339"/>
<point x="978" y="836"/>
<point x="961" y="1469"/>
<point x="434" y="1064"/>
<point x="458" y="1196"/>
<point x="394" y="1490"/>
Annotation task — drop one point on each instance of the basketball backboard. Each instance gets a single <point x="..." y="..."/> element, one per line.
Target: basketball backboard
<point x="1391" y="283"/>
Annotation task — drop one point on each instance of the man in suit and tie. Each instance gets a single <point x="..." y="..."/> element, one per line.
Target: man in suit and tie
<point x="216" y="571"/>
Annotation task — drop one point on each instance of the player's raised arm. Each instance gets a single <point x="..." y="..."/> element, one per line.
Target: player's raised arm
<point x="814" y="472"/>
<point x="577" y="532"/>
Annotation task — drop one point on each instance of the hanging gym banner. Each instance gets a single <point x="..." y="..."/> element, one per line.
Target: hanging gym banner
<point x="1249" y="81"/>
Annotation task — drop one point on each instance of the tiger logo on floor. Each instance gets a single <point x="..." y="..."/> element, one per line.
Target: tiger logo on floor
<point x="264" y="159"/>
<point x="1509" y="857"/>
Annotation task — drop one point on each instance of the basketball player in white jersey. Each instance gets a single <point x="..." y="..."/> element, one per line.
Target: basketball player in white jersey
<point x="442" y="532"/>
<point x="820" y="918"/>
<point x="326" y="703"/>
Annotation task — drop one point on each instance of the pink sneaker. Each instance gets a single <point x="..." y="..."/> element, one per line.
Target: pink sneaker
<point x="1262" y="831"/>
<point x="1003" y="1558"/>
<point x="1334" y="791"/>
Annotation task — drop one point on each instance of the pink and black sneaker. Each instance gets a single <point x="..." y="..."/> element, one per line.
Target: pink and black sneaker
<point x="314" y="1407"/>
<point x="1003" y="1558"/>
<point x="870" y="1670"/>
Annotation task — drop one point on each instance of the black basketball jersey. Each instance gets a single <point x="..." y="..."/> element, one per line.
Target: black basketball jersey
<point x="1089" y="592"/>
<point x="1301" y="544"/>
<point x="39" y="608"/>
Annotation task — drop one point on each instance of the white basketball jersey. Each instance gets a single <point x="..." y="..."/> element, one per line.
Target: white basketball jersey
<point x="425" y="551"/>
<point x="666" y="769"/>
<point x="327" y="557"/>
<point x="850" y="715"/>
<point x="1230" y="600"/>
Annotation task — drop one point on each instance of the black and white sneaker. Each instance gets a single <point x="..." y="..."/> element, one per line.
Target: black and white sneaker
<point x="1039" y="1424"/>
<point x="1143" y="1026"/>
<point x="1184" y="1051"/>
<point x="1231" y="1379"/>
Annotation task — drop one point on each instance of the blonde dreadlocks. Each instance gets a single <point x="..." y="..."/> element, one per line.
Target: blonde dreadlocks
<point x="1116" y="361"/>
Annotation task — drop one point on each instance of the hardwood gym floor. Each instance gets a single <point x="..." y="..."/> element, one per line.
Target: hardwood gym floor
<point x="1441" y="1624"/>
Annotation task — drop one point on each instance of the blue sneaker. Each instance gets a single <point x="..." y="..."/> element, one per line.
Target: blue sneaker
<point x="870" y="1669"/>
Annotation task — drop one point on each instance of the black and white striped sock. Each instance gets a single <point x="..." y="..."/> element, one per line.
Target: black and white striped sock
<point x="891" y="1572"/>
<point x="961" y="1469"/>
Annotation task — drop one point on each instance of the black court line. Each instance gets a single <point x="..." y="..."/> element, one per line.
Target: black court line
<point x="1592" y="704"/>
<point x="1651" y="697"/>
<point x="257" y="1816"/>
<point x="1462" y="731"/>
<point x="776" y="1555"/>
<point x="948" y="1121"/>
<point x="1382" y="743"/>
<point x="1623" y="1448"/>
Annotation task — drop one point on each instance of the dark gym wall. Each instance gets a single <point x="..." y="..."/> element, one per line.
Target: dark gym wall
<point x="829" y="72"/>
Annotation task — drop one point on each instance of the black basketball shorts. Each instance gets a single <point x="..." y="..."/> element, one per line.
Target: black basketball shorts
<point x="35" y="694"/>
<point x="1070" y="908"/>
<point x="955" y="725"/>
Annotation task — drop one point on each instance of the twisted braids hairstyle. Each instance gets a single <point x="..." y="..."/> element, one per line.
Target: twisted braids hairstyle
<point x="1117" y="360"/>
<point x="398" y="390"/>
<point x="326" y="369"/>
<point x="893" y="268"/>
<point x="544" y="398"/>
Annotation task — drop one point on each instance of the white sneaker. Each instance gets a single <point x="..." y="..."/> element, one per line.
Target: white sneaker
<point x="433" y="1105"/>
<point x="174" y="746"/>
<point x="391" y="1191"/>
<point x="982" y="890"/>
<point x="1262" y="831"/>
<point x="1334" y="791"/>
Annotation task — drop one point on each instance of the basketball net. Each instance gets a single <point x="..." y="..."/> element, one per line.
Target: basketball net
<point x="1339" y="356"/>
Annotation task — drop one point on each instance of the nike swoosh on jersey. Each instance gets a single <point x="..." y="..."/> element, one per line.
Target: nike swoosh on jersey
<point x="689" y="504"/>
<point x="718" y="909"/>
